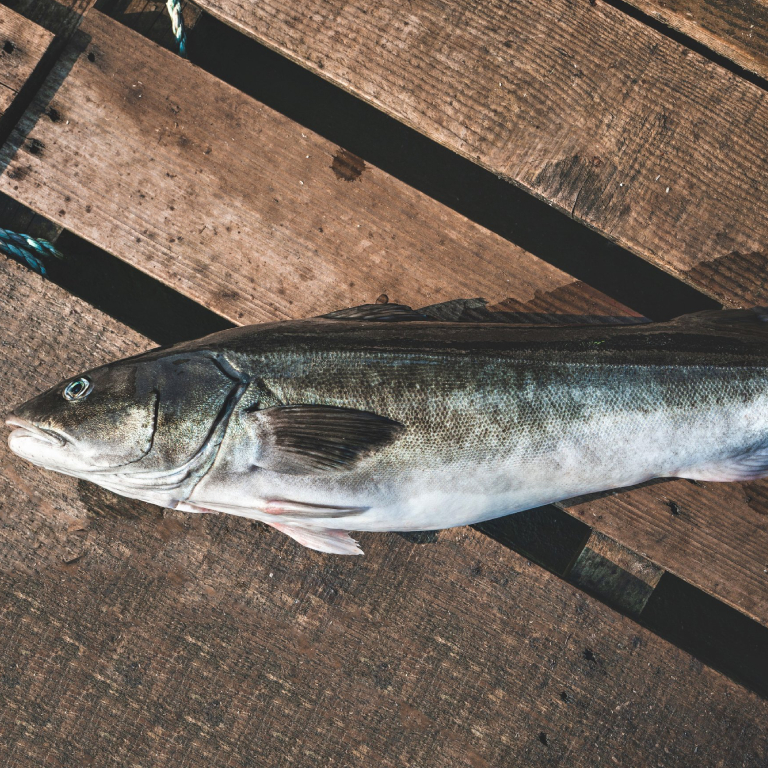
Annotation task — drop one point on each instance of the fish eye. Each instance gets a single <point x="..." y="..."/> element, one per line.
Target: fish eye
<point x="78" y="389"/>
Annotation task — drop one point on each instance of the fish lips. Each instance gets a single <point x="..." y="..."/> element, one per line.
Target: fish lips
<point x="32" y="442"/>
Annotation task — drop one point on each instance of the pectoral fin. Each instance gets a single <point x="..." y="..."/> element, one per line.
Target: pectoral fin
<point x="331" y="540"/>
<point x="277" y="507"/>
<point x="310" y="511"/>
<point x="292" y="509"/>
<point x="308" y="439"/>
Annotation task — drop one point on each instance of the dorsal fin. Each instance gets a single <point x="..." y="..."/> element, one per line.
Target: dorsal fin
<point x="383" y="313"/>
<point x="737" y="320"/>
<point x="459" y="310"/>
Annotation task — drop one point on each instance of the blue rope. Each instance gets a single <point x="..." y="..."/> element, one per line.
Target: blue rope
<point x="177" y="24"/>
<point x="27" y="249"/>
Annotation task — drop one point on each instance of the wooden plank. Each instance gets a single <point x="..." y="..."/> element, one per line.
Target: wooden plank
<point x="135" y="638"/>
<point x="183" y="172"/>
<point x="738" y="31"/>
<point x="22" y="45"/>
<point x="53" y="22"/>
<point x="212" y="206"/>
<point x="643" y="140"/>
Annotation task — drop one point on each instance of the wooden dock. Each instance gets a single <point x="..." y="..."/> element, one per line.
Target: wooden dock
<point x="134" y="636"/>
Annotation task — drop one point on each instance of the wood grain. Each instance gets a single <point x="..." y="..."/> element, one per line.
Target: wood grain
<point x="738" y="31"/>
<point x="236" y="206"/>
<point x="22" y="45"/>
<point x="135" y="638"/>
<point x="622" y="128"/>
<point x="211" y="205"/>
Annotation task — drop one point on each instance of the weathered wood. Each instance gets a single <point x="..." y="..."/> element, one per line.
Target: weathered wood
<point x="610" y="121"/>
<point x="213" y="206"/>
<point x="738" y="31"/>
<point x="614" y="573"/>
<point x="51" y="23"/>
<point x="233" y="204"/>
<point x="134" y="638"/>
<point x="22" y="45"/>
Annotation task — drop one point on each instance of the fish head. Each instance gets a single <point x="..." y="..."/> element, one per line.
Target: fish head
<point x="148" y="414"/>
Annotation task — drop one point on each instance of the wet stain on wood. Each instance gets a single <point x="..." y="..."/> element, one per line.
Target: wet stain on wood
<point x="19" y="174"/>
<point x="578" y="183"/>
<point x="756" y="496"/>
<point x="346" y="166"/>
<point x="35" y="147"/>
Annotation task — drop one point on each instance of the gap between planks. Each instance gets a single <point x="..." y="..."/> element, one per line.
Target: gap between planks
<point x="291" y="249"/>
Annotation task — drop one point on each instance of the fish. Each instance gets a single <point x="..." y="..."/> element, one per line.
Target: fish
<point x="384" y="418"/>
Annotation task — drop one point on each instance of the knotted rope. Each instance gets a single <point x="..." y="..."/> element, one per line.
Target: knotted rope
<point x="27" y="249"/>
<point x="177" y="24"/>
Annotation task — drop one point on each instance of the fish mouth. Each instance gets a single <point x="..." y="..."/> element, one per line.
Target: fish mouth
<point x="21" y="428"/>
